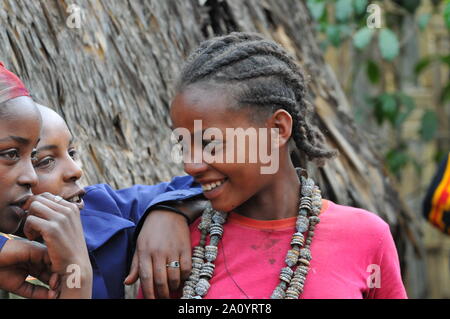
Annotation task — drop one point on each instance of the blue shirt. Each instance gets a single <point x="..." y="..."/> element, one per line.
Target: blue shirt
<point x="3" y="241"/>
<point x="109" y="219"/>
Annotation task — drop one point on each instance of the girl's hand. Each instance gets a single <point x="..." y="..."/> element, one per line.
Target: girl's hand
<point x="58" y="223"/>
<point x="164" y="238"/>
<point x="20" y="259"/>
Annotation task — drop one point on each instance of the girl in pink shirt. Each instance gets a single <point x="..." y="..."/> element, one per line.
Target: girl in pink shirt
<point x="269" y="234"/>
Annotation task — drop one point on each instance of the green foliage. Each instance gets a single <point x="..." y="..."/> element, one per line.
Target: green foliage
<point x="425" y="62"/>
<point x="344" y="10"/>
<point x="389" y="45"/>
<point x="362" y="37"/>
<point x="428" y="126"/>
<point x="397" y="159"/>
<point x="349" y="23"/>
<point x="394" y="108"/>
<point x="360" y="6"/>
<point x="445" y="94"/>
<point x="447" y="14"/>
<point x="423" y="20"/>
<point x="317" y="8"/>
<point x="373" y="72"/>
<point x="422" y="64"/>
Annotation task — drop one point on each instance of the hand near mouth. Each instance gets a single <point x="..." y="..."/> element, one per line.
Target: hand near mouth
<point x="58" y="223"/>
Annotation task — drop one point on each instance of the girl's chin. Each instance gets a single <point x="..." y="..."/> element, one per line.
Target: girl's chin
<point x="222" y="206"/>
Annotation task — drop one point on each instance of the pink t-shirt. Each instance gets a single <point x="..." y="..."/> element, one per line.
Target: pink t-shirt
<point x="353" y="256"/>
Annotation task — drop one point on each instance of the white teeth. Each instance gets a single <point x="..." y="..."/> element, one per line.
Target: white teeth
<point x="211" y="186"/>
<point x="75" y="199"/>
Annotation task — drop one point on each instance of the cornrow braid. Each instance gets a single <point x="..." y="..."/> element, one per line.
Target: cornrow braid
<point x="238" y="52"/>
<point x="261" y="73"/>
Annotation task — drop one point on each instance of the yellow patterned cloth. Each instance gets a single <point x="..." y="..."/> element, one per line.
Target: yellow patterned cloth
<point x="436" y="206"/>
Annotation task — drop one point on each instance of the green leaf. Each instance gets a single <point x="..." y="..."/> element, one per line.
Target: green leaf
<point x="389" y="107"/>
<point x="407" y="101"/>
<point x="344" y="9"/>
<point x="446" y="59"/>
<point x="408" y="105"/>
<point x="422" y="64"/>
<point x="396" y="160"/>
<point x="423" y="20"/>
<point x="362" y="37"/>
<point x="410" y="5"/>
<point x="428" y="126"/>
<point x="373" y="72"/>
<point x="389" y="44"/>
<point x="334" y="35"/>
<point x="445" y="94"/>
<point x="360" y="6"/>
<point x="447" y="14"/>
<point x="317" y="8"/>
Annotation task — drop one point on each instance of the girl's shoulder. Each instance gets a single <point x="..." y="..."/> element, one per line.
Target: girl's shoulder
<point x="352" y="219"/>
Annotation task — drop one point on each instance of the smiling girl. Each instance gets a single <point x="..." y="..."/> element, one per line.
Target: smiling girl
<point x="270" y="235"/>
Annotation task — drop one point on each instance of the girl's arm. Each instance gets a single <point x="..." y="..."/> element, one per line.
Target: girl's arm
<point x="164" y="237"/>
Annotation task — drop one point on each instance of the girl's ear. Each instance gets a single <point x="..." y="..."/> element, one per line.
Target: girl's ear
<point x="282" y="121"/>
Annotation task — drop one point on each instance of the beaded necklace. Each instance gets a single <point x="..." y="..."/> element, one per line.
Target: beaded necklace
<point x="299" y="256"/>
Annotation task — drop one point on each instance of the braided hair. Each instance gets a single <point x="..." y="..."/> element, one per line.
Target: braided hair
<point x="259" y="73"/>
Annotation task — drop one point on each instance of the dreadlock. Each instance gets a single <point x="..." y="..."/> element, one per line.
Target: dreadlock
<point x="261" y="73"/>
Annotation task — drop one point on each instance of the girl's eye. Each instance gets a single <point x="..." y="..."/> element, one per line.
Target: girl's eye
<point x="34" y="156"/>
<point x="45" y="162"/>
<point x="73" y="153"/>
<point x="11" y="155"/>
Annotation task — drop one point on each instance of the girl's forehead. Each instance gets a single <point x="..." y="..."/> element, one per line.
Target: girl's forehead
<point x="26" y="125"/>
<point x="55" y="132"/>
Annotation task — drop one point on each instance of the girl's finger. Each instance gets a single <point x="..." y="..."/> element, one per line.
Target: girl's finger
<point x="41" y="210"/>
<point x="35" y="227"/>
<point x="134" y="271"/>
<point x="173" y="274"/>
<point x="54" y="281"/>
<point x="160" y="277"/>
<point x="146" y="276"/>
<point x="31" y="291"/>
<point x="47" y="200"/>
<point x="56" y="203"/>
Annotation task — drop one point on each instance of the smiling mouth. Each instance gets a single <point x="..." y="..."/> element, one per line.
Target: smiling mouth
<point x="76" y="199"/>
<point x="211" y="186"/>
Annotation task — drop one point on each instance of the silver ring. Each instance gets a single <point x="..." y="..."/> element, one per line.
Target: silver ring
<point x="57" y="199"/>
<point x="173" y="264"/>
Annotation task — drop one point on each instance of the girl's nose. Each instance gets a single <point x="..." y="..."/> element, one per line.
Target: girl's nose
<point x="195" y="169"/>
<point x="27" y="176"/>
<point x="73" y="171"/>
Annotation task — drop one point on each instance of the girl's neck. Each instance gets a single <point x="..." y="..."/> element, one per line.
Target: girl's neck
<point x="277" y="201"/>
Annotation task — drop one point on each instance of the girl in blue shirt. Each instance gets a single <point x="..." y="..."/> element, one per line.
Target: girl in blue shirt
<point x="109" y="218"/>
<point x="20" y="125"/>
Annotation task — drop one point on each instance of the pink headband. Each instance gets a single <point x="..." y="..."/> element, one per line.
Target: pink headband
<point x="10" y="85"/>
